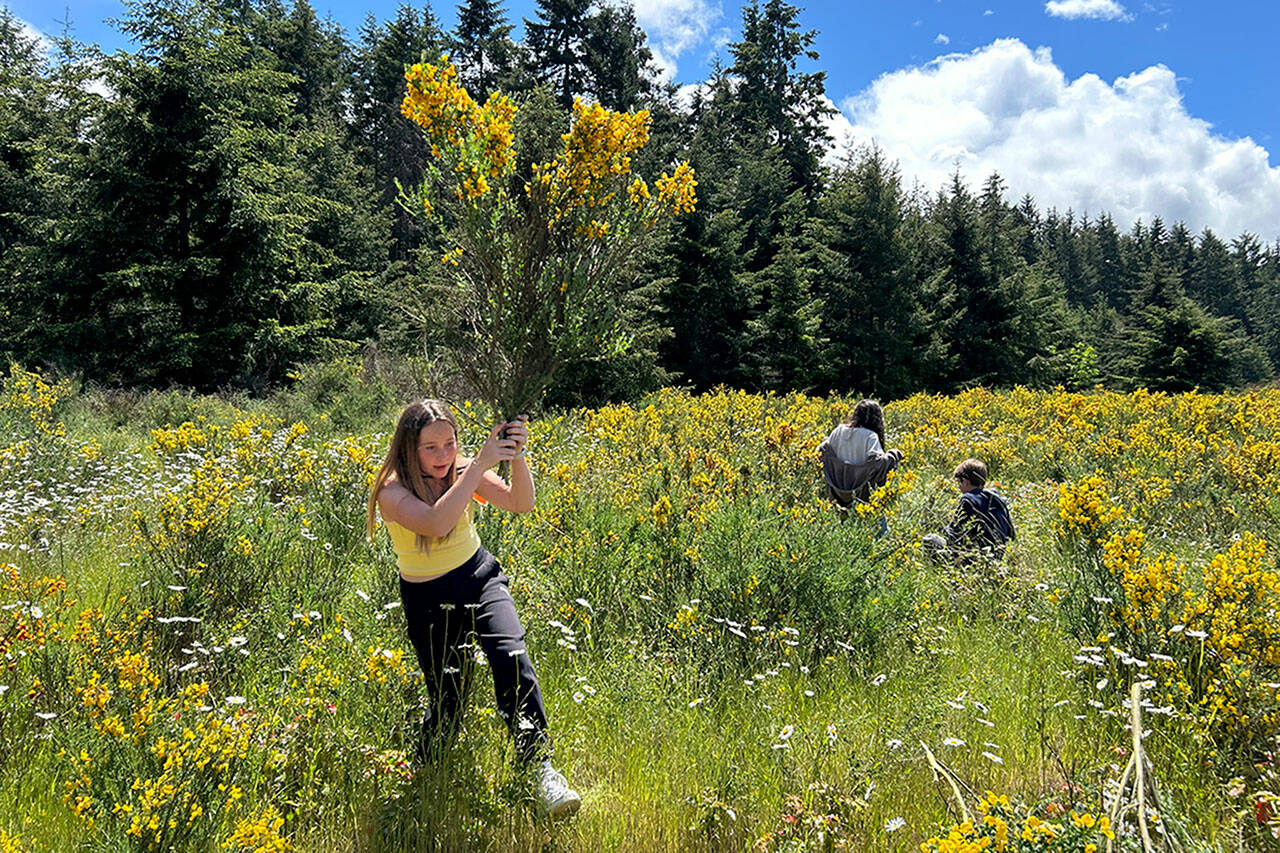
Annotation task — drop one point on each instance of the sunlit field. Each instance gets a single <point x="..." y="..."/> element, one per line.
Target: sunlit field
<point x="200" y="651"/>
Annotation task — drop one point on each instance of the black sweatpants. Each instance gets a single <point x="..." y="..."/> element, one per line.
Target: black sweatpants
<point x="442" y="615"/>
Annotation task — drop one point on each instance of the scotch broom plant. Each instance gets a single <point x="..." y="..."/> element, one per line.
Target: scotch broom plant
<point x="535" y="261"/>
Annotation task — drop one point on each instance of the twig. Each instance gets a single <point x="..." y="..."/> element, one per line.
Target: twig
<point x="941" y="770"/>
<point x="1139" y="763"/>
<point x="1115" y="807"/>
<point x="1144" y="787"/>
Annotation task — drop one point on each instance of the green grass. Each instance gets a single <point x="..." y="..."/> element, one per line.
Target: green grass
<point x="671" y="727"/>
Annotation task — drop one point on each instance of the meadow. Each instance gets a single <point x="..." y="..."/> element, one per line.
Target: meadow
<point x="199" y="650"/>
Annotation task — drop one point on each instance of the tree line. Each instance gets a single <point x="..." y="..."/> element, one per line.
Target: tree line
<point x="220" y="203"/>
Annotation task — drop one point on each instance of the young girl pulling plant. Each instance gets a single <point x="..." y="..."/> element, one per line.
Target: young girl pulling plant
<point x="451" y="587"/>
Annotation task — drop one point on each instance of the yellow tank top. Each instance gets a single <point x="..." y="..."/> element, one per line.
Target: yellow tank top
<point x="454" y="550"/>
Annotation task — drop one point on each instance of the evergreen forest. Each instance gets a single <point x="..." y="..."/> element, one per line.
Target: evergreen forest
<point x="220" y="204"/>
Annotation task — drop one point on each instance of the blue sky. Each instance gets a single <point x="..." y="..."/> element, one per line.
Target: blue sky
<point x="1138" y="107"/>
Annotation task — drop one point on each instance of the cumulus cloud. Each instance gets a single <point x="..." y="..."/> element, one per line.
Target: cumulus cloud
<point x="1128" y="148"/>
<point x="1102" y="10"/>
<point x="942" y="38"/>
<point x="675" y="26"/>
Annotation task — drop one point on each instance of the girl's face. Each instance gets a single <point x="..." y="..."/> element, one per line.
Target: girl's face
<point x="437" y="449"/>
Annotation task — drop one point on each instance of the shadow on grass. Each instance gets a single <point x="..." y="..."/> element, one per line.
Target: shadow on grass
<point x="464" y="798"/>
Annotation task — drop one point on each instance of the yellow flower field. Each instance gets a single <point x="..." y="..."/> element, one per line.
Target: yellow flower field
<point x="200" y="651"/>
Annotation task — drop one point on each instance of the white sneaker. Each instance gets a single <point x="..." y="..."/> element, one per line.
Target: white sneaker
<point x="553" y="795"/>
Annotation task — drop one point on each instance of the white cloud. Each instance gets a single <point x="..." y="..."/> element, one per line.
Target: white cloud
<point x="675" y="26"/>
<point x="1128" y="148"/>
<point x="1102" y="10"/>
<point x="28" y="30"/>
<point x="988" y="12"/>
<point x="687" y="92"/>
<point x="942" y="38"/>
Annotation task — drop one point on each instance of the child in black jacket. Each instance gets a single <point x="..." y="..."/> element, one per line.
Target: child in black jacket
<point x="982" y="523"/>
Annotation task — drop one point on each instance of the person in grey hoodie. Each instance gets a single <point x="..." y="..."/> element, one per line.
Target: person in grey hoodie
<point x="854" y="460"/>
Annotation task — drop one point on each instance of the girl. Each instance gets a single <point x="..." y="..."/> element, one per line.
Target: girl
<point x="854" y="461"/>
<point x="861" y="435"/>
<point x="451" y="586"/>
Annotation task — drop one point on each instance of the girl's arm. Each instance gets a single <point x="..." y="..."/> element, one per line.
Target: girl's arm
<point x="518" y="495"/>
<point x="400" y="505"/>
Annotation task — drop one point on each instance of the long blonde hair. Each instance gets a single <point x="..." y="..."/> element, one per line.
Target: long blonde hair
<point x="402" y="460"/>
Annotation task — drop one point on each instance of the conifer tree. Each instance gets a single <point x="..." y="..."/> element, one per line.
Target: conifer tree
<point x="773" y="100"/>
<point x="390" y="143"/>
<point x="876" y="336"/>
<point x="1211" y="278"/>
<point x="706" y="298"/>
<point x="27" y="129"/>
<point x="785" y="340"/>
<point x="557" y="45"/>
<point x="620" y="67"/>
<point x="481" y="47"/>
<point x="1110" y="265"/>
<point x="313" y="52"/>
<point x="202" y="265"/>
<point x="1174" y="344"/>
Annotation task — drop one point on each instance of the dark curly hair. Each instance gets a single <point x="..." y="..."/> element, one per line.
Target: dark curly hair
<point x="868" y="415"/>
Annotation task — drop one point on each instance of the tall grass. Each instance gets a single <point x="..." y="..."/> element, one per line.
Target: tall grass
<point x="728" y="663"/>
